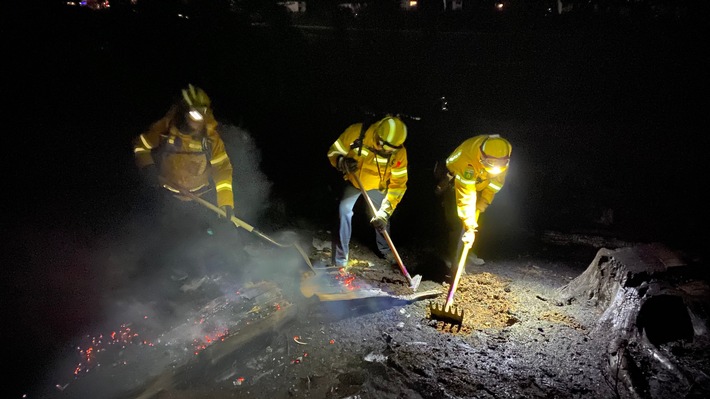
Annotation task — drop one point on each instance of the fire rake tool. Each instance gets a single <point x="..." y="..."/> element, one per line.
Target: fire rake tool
<point x="240" y="223"/>
<point x="449" y="313"/>
<point x="413" y="281"/>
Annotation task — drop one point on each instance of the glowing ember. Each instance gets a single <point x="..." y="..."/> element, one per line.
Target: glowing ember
<point x="123" y="337"/>
<point x="347" y="280"/>
<point x="134" y="344"/>
<point x="209" y="340"/>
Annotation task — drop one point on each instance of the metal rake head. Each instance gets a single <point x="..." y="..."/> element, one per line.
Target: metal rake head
<point x="452" y="315"/>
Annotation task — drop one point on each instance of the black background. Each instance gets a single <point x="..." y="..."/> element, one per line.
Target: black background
<point x="600" y="116"/>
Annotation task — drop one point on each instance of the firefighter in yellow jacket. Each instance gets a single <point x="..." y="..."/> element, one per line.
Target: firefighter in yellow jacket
<point x="376" y="154"/>
<point x="475" y="172"/>
<point x="184" y="149"/>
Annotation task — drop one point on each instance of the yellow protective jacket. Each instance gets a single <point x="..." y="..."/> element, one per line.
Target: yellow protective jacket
<point x="187" y="161"/>
<point x="375" y="172"/>
<point x="475" y="188"/>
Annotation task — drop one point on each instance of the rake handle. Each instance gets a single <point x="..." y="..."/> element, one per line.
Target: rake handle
<point x="457" y="277"/>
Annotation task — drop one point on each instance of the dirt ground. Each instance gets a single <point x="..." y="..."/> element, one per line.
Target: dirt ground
<point x="84" y="275"/>
<point x="517" y="338"/>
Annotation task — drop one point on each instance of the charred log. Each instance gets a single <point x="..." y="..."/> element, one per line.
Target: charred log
<point x="645" y="313"/>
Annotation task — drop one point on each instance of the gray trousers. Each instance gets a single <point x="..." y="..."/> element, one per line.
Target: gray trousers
<point x="345" y="213"/>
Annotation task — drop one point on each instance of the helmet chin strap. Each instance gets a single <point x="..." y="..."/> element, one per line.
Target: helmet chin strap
<point x="191" y="129"/>
<point x="382" y="153"/>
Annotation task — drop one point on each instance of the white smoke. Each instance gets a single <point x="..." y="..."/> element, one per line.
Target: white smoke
<point x="251" y="186"/>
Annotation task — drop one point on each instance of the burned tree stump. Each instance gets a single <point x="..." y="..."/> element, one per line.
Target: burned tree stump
<point x="653" y="311"/>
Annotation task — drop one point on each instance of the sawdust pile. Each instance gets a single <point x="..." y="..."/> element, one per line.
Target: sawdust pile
<point x="486" y="301"/>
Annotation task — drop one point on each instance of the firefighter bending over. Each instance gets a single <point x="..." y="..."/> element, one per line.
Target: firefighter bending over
<point x="184" y="149"/>
<point x="474" y="173"/>
<point x="376" y="154"/>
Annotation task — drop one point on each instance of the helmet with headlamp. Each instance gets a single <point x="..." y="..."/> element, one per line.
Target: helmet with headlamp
<point x="196" y="101"/>
<point x="495" y="154"/>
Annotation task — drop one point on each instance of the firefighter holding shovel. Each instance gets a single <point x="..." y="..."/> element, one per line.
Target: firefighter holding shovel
<point x="183" y="155"/>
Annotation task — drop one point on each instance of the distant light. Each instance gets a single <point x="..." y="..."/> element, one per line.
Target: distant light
<point x="444" y="104"/>
<point x="412" y="3"/>
<point x="499" y="6"/>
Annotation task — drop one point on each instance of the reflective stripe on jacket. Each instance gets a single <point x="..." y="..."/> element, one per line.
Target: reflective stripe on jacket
<point x="475" y="188"/>
<point x="185" y="160"/>
<point x="375" y="172"/>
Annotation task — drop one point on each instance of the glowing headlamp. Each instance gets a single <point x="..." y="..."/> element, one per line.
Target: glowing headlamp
<point x="196" y="115"/>
<point x="494" y="165"/>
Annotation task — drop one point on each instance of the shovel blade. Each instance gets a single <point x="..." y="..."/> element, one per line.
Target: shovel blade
<point x="416" y="280"/>
<point x="451" y="315"/>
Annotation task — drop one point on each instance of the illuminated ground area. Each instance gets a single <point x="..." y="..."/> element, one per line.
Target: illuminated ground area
<point x="520" y="336"/>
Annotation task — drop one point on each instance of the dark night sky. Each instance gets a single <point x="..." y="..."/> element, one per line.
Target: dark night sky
<point x="598" y="117"/>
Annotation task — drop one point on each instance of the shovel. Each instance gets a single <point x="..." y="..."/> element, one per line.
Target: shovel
<point x="413" y="281"/>
<point x="240" y="223"/>
<point x="450" y="313"/>
<point x="375" y="293"/>
<point x="327" y="287"/>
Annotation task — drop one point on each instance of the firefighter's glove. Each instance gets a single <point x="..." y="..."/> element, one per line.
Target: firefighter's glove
<point x="442" y="186"/>
<point x="470" y="229"/>
<point x="470" y="223"/>
<point x="443" y="178"/>
<point x="468" y="237"/>
<point x="347" y="164"/>
<point x="149" y="175"/>
<point x="228" y="212"/>
<point x="379" y="221"/>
